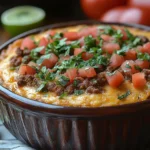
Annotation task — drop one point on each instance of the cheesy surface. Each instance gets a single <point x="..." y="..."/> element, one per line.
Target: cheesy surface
<point x="109" y="96"/>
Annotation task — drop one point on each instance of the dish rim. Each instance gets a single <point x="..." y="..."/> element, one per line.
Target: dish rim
<point x="30" y="104"/>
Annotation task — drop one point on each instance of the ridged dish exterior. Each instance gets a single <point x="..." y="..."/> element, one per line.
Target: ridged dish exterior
<point x="43" y="131"/>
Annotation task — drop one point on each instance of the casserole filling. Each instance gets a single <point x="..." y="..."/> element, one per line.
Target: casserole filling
<point x="80" y="66"/>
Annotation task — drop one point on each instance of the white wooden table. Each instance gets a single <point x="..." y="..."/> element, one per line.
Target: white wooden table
<point x="9" y="142"/>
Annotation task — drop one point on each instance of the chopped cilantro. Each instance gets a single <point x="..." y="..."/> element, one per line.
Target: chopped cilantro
<point x="63" y="95"/>
<point x="58" y="36"/>
<point x="41" y="87"/>
<point x="89" y="42"/>
<point x="143" y="56"/>
<point x="78" y="92"/>
<point x="63" y="81"/>
<point x="127" y="66"/>
<point x="34" y="53"/>
<point x="124" y="95"/>
<point x="138" y="68"/>
<point x="75" y="83"/>
<point x="43" y="57"/>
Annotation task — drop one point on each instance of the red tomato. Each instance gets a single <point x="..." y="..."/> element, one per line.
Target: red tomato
<point x="85" y="55"/>
<point x="115" y="79"/>
<point x="71" y="74"/>
<point x="130" y="55"/>
<point x="49" y="63"/>
<point x="43" y="42"/>
<point x="110" y="47"/>
<point x="52" y="32"/>
<point x="77" y="51"/>
<point x="146" y="48"/>
<point x="142" y="64"/>
<point x="95" y="8"/>
<point x="107" y="38"/>
<point x="62" y="58"/>
<point x="129" y="66"/>
<point x="71" y="36"/>
<point x="27" y="43"/>
<point x="88" y="31"/>
<point x="116" y="60"/>
<point x="140" y="3"/>
<point x="25" y="69"/>
<point x="113" y="15"/>
<point x="138" y="80"/>
<point x="123" y="14"/>
<point x="87" y="72"/>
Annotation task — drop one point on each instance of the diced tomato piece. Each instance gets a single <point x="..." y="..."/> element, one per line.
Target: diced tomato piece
<point x="130" y="55"/>
<point x="62" y="58"/>
<point x="110" y="47"/>
<point x="25" y="69"/>
<point x="125" y="37"/>
<point x="49" y="63"/>
<point x="107" y="38"/>
<point x="138" y="80"/>
<point x="88" y="31"/>
<point x="52" y="32"/>
<point x="71" y="73"/>
<point x="87" y="55"/>
<point x="43" y="42"/>
<point x="129" y="66"/>
<point x="116" y="60"/>
<point x="142" y="64"/>
<point x="87" y="72"/>
<point x="146" y="48"/>
<point x="81" y="41"/>
<point x="27" y="43"/>
<point x="71" y="36"/>
<point x="78" y="51"/>
<point x="115" y="79"/>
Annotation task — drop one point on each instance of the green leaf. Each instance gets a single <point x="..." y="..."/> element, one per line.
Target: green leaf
<point x="78" y="92"/>
<point x="137" y="68"/>
<point x="34" y="53"/>
<point x="124" y="95"/>
<point x="41" y="87"/>
<point x="127" y="66"/>
<point x="58" y="36"/>
<point x="43" y="57"/>
<point x="143" y="56"/>
<point x="63" y="95"/>
<point x="89" y="42"/>
<point x="63" y="81"/>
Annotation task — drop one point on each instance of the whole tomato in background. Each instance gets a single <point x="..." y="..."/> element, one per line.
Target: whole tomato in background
<point x="145" y="4"/>
<point x="96" y="8"/>
<point x="126" y="14"/>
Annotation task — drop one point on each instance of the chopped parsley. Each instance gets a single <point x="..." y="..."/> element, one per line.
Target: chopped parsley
<point x="121" y="97"/>
<point x="63" y="95"/>
<point x="128" y="66"/>
<point x="143" y="56"/>
<point x="78" y="92"/>
<point x="35" y="52"/>
<point x="63" y="81"/>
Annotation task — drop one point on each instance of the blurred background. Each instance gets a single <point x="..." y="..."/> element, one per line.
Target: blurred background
<point x="128" y="11"/>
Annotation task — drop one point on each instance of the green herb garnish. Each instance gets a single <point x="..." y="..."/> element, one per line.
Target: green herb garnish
<point x="78" y="92"/>
<point x="63" y="81"/>
<point x="124" y="95"/>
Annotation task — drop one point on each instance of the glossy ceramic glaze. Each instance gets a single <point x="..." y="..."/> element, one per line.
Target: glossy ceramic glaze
<point x="51" y="127"/>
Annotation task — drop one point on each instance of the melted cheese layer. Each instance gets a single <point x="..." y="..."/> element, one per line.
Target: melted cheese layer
<point x="108" y="98"/>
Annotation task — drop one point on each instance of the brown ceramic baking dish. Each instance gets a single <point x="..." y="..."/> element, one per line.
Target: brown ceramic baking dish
<point x="45" y="126"/>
